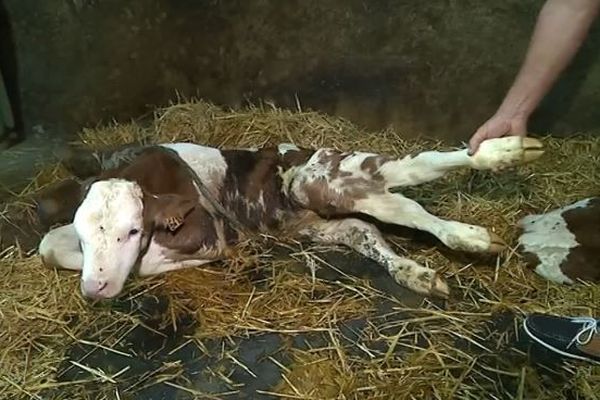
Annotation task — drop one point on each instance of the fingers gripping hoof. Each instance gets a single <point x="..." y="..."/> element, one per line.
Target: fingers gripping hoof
<point x="501" y="153"/>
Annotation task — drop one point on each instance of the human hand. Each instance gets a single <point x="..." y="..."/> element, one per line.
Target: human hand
<point x="499" y="125"/>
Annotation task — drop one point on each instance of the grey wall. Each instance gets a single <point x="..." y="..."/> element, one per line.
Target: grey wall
<point x="434" y="67"/>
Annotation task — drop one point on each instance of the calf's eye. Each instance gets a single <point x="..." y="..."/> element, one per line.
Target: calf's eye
<point x="133" y="232"/>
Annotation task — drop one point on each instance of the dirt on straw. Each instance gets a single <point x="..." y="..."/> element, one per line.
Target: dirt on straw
<point x="41" y="311"/>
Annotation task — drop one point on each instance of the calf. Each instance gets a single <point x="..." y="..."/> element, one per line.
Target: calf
<point x="181" y="205"/>
<point x="562" y="245"/>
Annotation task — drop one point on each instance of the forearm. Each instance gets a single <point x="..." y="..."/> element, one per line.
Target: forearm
<point x="560" y="30"/>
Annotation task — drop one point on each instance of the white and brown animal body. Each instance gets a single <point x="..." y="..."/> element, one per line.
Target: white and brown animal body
<point x="149" y="216"/>
<point x="563" y="245"/>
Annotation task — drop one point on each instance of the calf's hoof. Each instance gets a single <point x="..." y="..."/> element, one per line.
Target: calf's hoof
<point x="501" y="153"/>
<point x="439" y="288"/>
<point x="532" y="149"/>
<point x="427" y="283"/>
<point x="497" y="244"/>
<point x="473" y="239"/>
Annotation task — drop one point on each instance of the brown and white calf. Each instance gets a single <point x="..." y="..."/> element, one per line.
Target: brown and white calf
<point x="563" y="245"/>
<point x="148" y="215"/>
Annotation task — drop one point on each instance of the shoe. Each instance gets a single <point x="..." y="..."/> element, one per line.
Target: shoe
<point x="577" y="338"/>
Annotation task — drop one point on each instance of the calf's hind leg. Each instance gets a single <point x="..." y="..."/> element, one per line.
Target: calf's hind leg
<point x="368" y="241"/>
<point x="396" y="209"/>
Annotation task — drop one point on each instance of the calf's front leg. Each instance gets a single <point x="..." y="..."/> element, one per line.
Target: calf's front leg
<point x="60" y="248"/>
<point x="366" y="239"/>
<point x="148" y="269"/>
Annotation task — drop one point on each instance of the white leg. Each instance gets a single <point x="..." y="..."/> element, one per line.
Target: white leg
<point x="155" y="269"/>
<point x="493" y="154"/>
<point x="60" y="248"/>
<point x="156" y="261"/>
<point x="397" y="209"/>
<point x="368" y="241"/>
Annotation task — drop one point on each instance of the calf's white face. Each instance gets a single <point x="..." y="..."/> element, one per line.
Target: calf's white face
<point x="109" y="224"/>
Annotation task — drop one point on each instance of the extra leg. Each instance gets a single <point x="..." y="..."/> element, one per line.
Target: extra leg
<point x="368" y="241"/>
<point x="154" y="261"/>
<point x="493" y="154"/>
<point x="397" y="209"/>
<point x="60" y="248"/>
<point x="160" y="268"/>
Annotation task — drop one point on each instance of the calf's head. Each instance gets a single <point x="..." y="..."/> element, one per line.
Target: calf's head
<point x="114" y="223"/>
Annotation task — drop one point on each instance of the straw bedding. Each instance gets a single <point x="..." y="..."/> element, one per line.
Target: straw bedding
<point x="467" y="348"/>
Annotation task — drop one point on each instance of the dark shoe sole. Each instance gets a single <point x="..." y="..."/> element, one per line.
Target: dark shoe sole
<point x="554" y="349"/>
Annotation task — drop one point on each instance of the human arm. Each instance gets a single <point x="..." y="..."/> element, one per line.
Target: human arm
<point x="561" y="28"/>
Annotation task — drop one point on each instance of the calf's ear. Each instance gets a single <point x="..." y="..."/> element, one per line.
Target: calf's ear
<point x="167" y="211"/>
<point x="57" y="203"/>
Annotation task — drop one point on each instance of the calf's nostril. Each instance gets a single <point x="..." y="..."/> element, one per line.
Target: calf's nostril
<point x="93" y="288"/>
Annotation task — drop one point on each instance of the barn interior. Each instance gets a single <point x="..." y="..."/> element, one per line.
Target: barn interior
<point x="284" y="319"/>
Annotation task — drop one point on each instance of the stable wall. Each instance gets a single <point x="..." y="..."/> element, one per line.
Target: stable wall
<point x="437" y="68"/>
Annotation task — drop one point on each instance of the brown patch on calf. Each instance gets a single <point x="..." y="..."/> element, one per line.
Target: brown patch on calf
<point x="253" y="188"/>
<point x="531" y="260"/>
<point x="584" y="223"/>
<point x="333" y="158"/>
<point x="332" y="191"/>
<point x="168" y="211"/>
<point x="372" y="164"/>
<point x="196" y="232"/>
<point x="582" y="263"/>
<point x="173" y="210"/>
<point x="57" y="203"/>
<point x="157" y="172"/>
<point x="325" y="201"/>
<point x="294" y="158"/>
